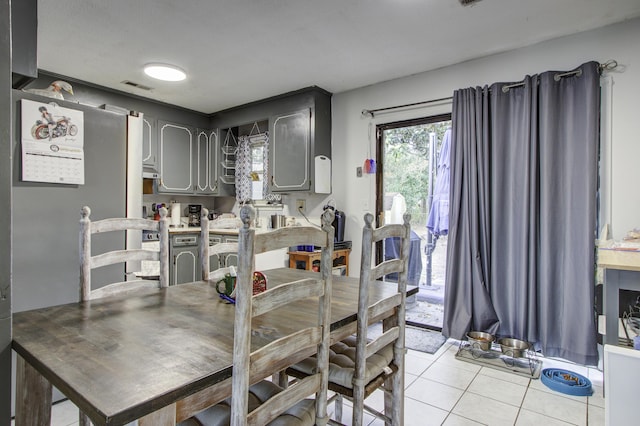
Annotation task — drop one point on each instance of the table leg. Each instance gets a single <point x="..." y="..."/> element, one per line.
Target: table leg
<point x="33" y="396"/>
<point x="165" y="416"/>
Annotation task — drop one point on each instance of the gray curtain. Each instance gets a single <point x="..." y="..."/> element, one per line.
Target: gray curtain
<point x="524" y="168"/>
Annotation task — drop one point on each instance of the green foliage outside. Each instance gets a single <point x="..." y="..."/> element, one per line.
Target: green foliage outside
<point x="406" y="165"/>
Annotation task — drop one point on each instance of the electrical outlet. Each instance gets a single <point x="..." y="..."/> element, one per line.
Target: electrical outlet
<point x="301" y="205"/>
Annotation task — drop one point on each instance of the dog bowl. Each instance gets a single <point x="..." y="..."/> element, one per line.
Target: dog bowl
<point x="480" y="340"/>
<point x="513" y="347"/>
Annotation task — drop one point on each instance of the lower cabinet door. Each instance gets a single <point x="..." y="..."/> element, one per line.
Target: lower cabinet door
<point x="231" y="259"/>
<point x="185" y="266"/>
<point x="215" y="262"/>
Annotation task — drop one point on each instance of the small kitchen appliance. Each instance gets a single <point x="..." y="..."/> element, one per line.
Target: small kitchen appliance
<point x="194" y="214"/>
<point x="338" y="223"/>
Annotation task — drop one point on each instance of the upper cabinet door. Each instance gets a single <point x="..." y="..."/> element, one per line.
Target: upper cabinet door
<point x="149" y="142"/>
<point x="202" y="162"/>
<point x="206" y="162"/>
<point x="290" y="151"/>
<point x="176" y="153"/>
<point x="214" y="147"/>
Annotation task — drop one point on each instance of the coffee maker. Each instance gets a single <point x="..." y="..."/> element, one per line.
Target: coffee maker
<point x="338" y="223"/>
<point x="194" y="214"/>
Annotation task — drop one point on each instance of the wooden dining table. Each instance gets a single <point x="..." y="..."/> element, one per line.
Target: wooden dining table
<point x="157" y="355"/>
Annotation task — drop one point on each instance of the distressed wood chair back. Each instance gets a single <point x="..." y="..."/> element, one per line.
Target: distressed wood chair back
<point x="248" y="366"/>
<point x="88" y="261"/>
<point x="207" y="251"/>
<point x="361" y="364"/>
<point x="392" y="309"/>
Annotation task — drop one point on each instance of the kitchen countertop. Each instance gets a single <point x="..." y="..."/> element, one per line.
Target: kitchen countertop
<point x="196" y="230"/>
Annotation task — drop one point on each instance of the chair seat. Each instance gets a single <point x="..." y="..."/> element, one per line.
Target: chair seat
<point x="301" y="414"/>
<point x="342" y="356"/>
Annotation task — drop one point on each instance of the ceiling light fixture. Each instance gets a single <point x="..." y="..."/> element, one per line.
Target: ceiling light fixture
<point x="164" y="72"/>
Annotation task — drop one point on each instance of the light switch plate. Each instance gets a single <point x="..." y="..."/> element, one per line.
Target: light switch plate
<point x="358" y="171"/>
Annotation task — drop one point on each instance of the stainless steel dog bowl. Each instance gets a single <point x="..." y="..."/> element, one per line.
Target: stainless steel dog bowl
<point x="513" y="347"/>
<point x="480" y="340"/>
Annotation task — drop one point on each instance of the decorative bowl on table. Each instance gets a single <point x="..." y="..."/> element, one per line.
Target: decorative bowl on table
<point x="480" y="340"/>
<point x="514" y="347"/>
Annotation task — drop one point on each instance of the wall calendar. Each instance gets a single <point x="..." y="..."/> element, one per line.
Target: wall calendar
<point x="52" y="143"/>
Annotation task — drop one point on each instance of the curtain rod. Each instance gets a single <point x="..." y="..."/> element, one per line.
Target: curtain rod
<point x="371" y="112"/>
<point x="607" y="66"/>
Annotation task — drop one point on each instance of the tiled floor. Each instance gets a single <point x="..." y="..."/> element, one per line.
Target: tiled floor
<point x="441" y="390"/>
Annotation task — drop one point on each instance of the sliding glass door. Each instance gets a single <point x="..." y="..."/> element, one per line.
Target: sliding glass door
<point x="406" y="175"/>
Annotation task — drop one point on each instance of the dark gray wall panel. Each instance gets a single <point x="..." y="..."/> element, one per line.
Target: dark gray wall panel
<point x="5" y="218"/>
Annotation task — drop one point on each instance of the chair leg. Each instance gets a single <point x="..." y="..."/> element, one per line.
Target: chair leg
<point x="358" y="405"/>
<point x="338" y="407"/>
<point x="394" y="400"/>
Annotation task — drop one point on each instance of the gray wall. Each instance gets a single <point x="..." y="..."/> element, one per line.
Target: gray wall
<point x="5" y="218"/>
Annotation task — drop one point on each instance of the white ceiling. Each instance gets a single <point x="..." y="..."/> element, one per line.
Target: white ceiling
<point x="238" y="51"/>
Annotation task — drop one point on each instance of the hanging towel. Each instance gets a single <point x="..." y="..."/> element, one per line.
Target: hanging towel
<point x="438" y="220"/>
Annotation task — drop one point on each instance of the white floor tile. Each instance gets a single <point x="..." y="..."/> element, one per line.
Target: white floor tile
<point x="530" y="418"/>
<point x="408" y="379"/>
<point x="486" y="410"/>
<point x="451" y="360"/>
<point x="416" y="365"/>
<point x="595" y="416"/>
<point x="505" y="375"/>
<point x="597" y="399"/>
<point x="434" y="393"/>
<point x="498" y="389"/>
<point x="414" y="353"/>
<point x="417" y="413"/>
<point x="455" y="420"/>
<point x="596" y="377"/>
<point x="558" y="407"/>
<point x="64" y="414"/>
<point x="444" y="373"/>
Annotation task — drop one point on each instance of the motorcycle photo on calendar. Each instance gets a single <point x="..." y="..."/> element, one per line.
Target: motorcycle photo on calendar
<point x="48" y="127"/>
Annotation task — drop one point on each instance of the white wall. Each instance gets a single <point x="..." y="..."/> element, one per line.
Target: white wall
<point x="620" y="205"/>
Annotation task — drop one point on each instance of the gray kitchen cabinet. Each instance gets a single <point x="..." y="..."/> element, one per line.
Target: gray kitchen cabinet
<point x="231" y="259"/>
<point x="215" y="262"/>
<point x="184" y="253"/>
<point x="149" y="143"/>
<point x="185" y="259"/>
<point x="222" y="260"/>
<point x="299" y="126"/>
<point x="300" y="145"/>
<point x="176" y="145"/>
<point x="206" y="162"/>
<point x="290" y="145"/>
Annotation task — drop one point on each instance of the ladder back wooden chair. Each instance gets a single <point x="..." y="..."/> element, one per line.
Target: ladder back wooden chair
<point x="361" y="364"/>
<point x="207" y="251"/>
<point x="88" y="261"/>
<point x="260" y="402"/>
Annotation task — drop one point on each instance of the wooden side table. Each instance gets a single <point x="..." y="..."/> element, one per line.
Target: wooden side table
<point x="308" y="257"/>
